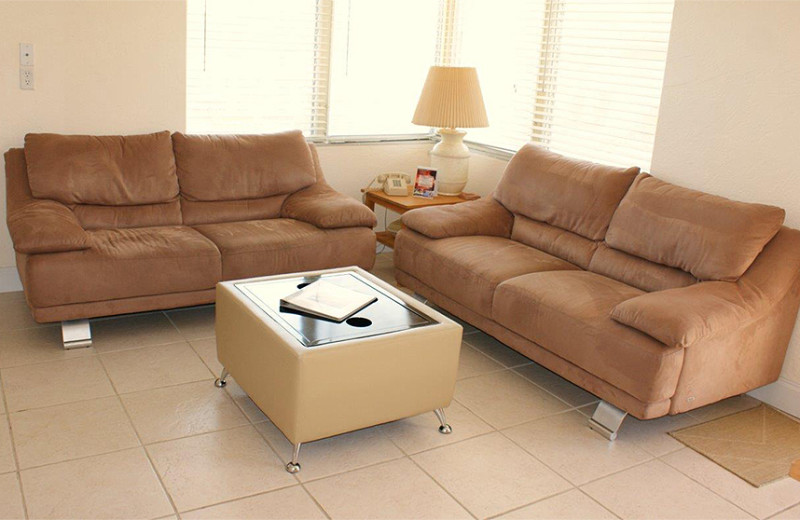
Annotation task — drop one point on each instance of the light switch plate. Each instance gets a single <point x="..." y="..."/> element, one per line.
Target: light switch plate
<point x="26" y="55"/>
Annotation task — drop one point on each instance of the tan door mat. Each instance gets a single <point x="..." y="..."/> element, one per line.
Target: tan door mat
<point x="759" y="445"/>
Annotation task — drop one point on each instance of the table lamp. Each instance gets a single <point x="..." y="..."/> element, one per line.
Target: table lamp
<point x="451" y="99"/>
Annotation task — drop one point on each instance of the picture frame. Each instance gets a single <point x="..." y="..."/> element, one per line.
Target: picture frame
<point x="425" y="182"/>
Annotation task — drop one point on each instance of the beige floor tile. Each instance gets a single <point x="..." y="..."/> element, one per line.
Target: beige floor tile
<point x="556" y="385"/>
<point x="384" y="273"/>
<point x="421" y="432"/>
<point x="10" y="497"/>
<point x="16" y="315"/>
<point x="572" y="505"/>
<point x="490" y="474"/>
<point x="793" y="513"/>
<point x="194" y="323"/>
<point x="114" y="485"/>
<point x="207" y="350"/>
<point x="333" y="455"/>
<point x="397" y="489"/>
<point x="56" y="382"/>
<point x="215" y="467"/>
<point x="177" y="411"/>
<point x="566" y="444"/>
<point x="154" y="367"/>
<point x="653" y="435"/>
<point x="2" y="399"/>
<point x="654" y="490"/>
<point x="505" y="399"/>
<point x="472" y="363"/>
<point x="26" y="346"/>
<point x="253" y="412"/>
<point x="6" y="450"/>
<point x="491" y="347"/>
<point x="727" y="407"/>
<point x="71" y="431"/>
<point x="134" y="331"/>
<point x="291" y="502"/>
<point x="760" y="502"/>
<point x="468" y="329"/>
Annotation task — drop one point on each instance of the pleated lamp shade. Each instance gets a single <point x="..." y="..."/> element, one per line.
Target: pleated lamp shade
<point x="451" y="98"/>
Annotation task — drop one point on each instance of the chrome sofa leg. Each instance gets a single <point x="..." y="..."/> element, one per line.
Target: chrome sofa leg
<point x="444" y="428"/>
<point x="420" y="298"/>
<point x="293" y="466"/>
<point x="220" y="382"/>
<point x="76" y="334"/>
<point x="607" y="419"/>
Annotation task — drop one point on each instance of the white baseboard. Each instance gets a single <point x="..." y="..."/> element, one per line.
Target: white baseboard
<point x="782" y="394"/>
<point x="9" y="280"/>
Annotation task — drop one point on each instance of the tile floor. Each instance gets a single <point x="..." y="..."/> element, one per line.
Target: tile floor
<point x="133" y="427"/>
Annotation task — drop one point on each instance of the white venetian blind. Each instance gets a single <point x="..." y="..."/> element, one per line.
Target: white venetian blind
<point x="256" y="66"/>
<point x="380" y="54"/>
<point x="581" y="77"/>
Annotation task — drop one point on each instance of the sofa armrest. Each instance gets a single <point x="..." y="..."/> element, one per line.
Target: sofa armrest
<point x="685" y="316"/>
<point x="478" y="217"/>
<point x="46" y="226"/>
<point x="326" y="208"/>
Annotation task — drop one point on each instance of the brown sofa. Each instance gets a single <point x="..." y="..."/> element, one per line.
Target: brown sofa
<point x="656" y="298"/>
<point x="119" y="224"/>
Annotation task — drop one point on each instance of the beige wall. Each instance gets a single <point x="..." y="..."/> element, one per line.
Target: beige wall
<point x="730" y="110"/>
<point x="100" y="67"/>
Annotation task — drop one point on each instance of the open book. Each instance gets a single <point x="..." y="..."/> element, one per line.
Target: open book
<point x="327" y="300"/>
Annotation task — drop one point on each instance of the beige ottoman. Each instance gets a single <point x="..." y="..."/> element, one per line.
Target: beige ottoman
<point x="314" y="378"/>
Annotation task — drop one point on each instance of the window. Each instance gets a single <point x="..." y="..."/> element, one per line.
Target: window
<point x="580" y="77"/>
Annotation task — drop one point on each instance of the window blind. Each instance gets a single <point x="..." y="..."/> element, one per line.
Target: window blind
<point x="580" y="77"/>
<point x="257" y="66"/>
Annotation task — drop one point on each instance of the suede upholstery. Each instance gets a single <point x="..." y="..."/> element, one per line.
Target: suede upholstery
<point x="46" y="226"/>
<point x="578" y="196"/>
<point x="280" y="246"/>
<point x="126" y="240"/>
<point x="478" y="217"/>
<point x="711" y="237"/>
<point x="656" y="298"/>
<point x="108" y="170"/>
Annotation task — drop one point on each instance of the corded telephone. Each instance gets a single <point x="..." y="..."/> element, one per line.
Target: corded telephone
<point x="391" y="183"/>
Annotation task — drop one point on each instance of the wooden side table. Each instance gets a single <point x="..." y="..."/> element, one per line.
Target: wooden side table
<point x="401" y="204"/>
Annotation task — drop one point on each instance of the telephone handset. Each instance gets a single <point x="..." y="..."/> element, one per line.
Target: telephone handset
<point x="391" y="183"/>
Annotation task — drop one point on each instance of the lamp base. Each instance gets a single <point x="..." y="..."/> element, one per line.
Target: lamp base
<point x="450" y="157"/>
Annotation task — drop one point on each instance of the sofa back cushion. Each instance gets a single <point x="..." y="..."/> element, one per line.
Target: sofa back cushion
<point x="566" y="245"/>
<point x="102" y="170"/>
<point x="711" y="237"/>
<point x="242" y="167"/>
<point x="578" y="196"/>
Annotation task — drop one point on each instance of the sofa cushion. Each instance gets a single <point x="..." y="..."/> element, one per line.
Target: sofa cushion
<point x="234" y="167"/>
<point x="568" y="246"/>
<point x="637" y="272"/>
<point x="124" y="263"/>
<point x="578" y="196"/>
<point x="106" y="170"/>
<point x="275" y="246"/>
<point x="467" y="269"/>
<point x="568" y="313"/>
<point x="712" y="237"/>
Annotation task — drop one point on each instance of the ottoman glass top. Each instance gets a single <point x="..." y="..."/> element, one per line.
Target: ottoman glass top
<point x="387" y="314"/>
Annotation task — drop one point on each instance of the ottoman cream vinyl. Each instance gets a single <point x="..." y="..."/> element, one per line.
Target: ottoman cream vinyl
<point x="359" y="380"/>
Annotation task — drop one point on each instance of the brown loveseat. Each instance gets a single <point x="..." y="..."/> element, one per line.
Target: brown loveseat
<point x="656" y="298"/>
<point x="112" y="225"/>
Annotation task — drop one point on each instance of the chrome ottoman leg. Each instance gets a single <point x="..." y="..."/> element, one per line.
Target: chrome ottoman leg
<point x="444" y="428"/>
<point x="293" y="466"/>
<point x="220" y="382"/>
